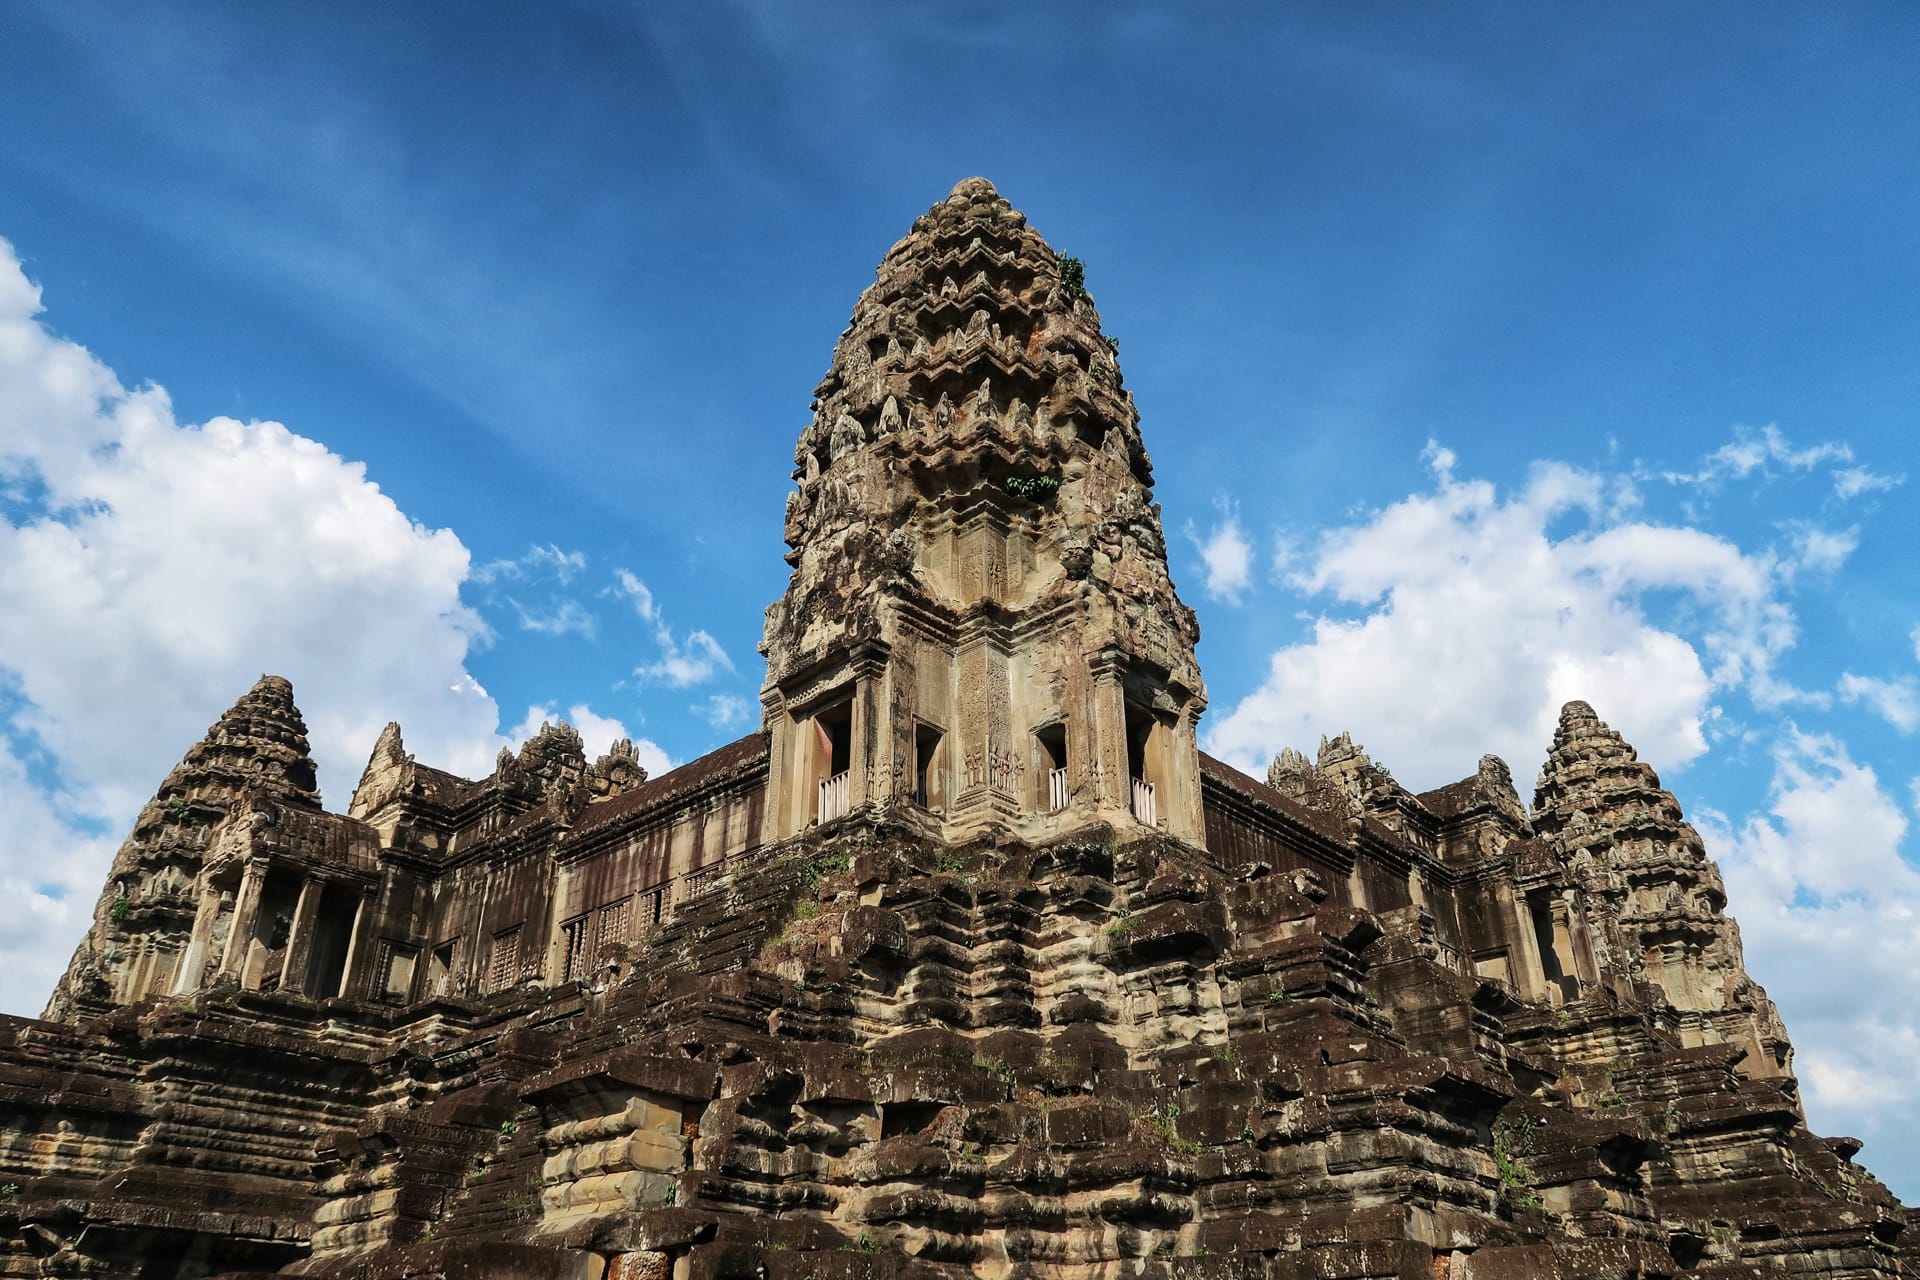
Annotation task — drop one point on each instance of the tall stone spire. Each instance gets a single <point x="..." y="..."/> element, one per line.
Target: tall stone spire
<point x="145" y="913"/>
<point x="1655" y="899"/>
<point x="980" y="626"/>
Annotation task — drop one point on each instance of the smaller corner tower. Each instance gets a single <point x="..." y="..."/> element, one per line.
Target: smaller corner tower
<point x="980" y="634"/>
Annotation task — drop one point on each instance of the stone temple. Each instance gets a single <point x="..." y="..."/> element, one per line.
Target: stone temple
<point x="968" y="963"/>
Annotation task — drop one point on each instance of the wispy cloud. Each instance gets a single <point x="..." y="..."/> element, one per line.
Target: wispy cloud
<point x="547" y="562"/>
<point x="556" y="618"/>
<point x="1897" y="701"/>
<point x="626" y="586"/>
<point x="725" y="710"/>
<point x="681" y="663"/>
<point x="1226" y="554"/>
<point x="1851" y="482"/>
<point x="1759" y="451"/>
<point x="533" y="587"/>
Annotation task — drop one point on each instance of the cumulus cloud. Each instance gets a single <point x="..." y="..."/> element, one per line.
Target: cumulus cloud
<point x="1821" y="888"/>
<point x="1226" y="554"/>
<point x="1460" y="619"/>
<point x="1896" y="701"/>
<point x="597" y="733"/>
<point x="150" y="570"/>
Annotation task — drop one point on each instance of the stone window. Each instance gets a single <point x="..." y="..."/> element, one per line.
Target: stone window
<point x="573" y="944"/>
<point x="929" y="768"/>
<point x="833" y="760"/>
<point x="653" y="906"/>
<point x="440" y="969"/>
<point x="503" y="959"/>
<point x="396" y="970"/>
<point x="616" y="925"/>
<point x="1050" y="745"/>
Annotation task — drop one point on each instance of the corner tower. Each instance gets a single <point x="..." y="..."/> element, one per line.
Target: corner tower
<point x="980" y="634"/>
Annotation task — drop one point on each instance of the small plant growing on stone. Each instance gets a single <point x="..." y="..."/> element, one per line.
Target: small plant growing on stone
<point x="1073" y="277"/>
<point x="827" y="864"/>
<point x="8" y="1190"/>
<point x="509" y="1127"/>
<point x="1276" y="997"/>
<point x="1512" y="1143"/>
<point x="1125" y="925"/>
<point x="121" y="905"/>
<point x="1035" y="488"/>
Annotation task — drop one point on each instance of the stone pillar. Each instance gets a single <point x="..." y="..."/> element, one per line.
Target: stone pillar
<point x="1563" y="951"/>
<point x="193" y="960"/>
<point x="1185" y="810"/>
<point x="350" y="981"/>
<point x="868" y="738"/>
<point x="293" y="971"/>
<point x="246" y="905"/>
<point x="969" y="731"/>
<point x="1107" y="734"/>
<point x="1524" y="965"/>
<point x="774" y="717"/>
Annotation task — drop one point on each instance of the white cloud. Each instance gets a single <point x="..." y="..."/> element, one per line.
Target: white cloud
<point x="1756" y="451"/>
<point x="150" y="570"/>
<point x="681" y="665"/>
<point x="597" y="733"/>
<point x="1830" y="913"/>
<point x="1896" y="701"/>
<point x="556" y="618"/>
<point x="1812" y="549"/>
<point x="725" y="710"/>
<point x="628" y="587"/>
<point x="538" y="602"/>
<point x="1851" y="482"/>
<point x="1227" y="555"/>
<point x="539" y="562"/>
<point x="1476" y="619"/>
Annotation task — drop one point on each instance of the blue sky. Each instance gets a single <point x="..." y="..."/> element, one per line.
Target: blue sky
<point x="1488" y="357"/>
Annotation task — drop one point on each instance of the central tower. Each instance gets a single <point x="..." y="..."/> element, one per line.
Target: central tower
<point x="980" y="635"/>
